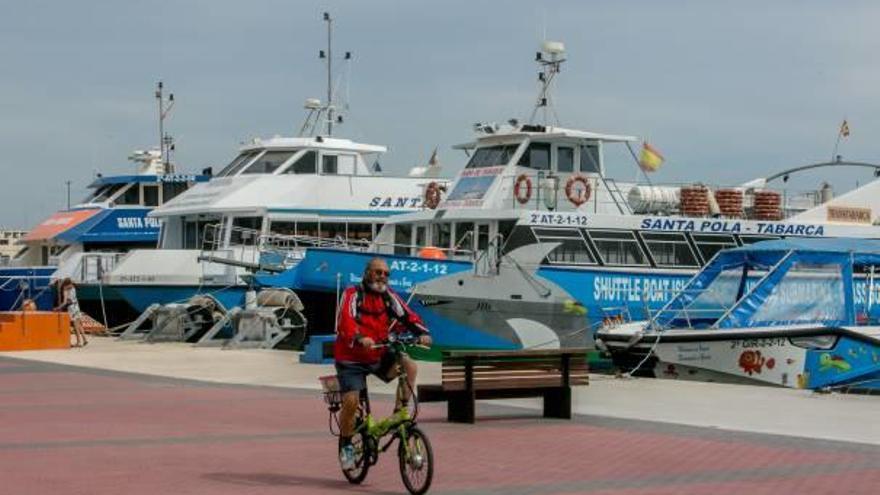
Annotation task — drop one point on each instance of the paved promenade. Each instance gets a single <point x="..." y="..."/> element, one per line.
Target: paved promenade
<point x="94" y="430"/>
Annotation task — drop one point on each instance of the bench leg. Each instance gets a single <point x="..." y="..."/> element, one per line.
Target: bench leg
<point x="460" y="407"/>
<point x="557" y="403"/>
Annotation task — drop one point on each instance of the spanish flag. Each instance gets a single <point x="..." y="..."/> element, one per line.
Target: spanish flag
<point x="844" y="129"/>
<point x="650" y="159"/>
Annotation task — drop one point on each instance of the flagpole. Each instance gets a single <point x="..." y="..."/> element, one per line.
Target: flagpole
<point x="636" y="158"/>
<point x="836" y="145"/>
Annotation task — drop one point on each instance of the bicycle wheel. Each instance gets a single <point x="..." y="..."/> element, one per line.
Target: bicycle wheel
<point x="362" y="455"/>
<point x="416" y="461"/>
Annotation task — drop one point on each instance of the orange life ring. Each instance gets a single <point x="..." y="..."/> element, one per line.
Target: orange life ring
<point x="432" y="195"/>
<point x="578" y="196"/>
<point x="522" y="189"/>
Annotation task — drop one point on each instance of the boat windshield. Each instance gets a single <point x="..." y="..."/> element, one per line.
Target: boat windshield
<point x="807" y="293"/>
<point x="492" y="156"/>
<point x="104" y="193"/>
<point x="238" y="163"/>
<point x="702" y="307"/>
<point x="745" y="295"/>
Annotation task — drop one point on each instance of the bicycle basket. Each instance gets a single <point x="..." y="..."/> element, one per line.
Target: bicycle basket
<point x="330" y="386"/>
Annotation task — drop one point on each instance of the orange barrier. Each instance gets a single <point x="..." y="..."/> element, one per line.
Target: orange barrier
<point x="32" y="330"/>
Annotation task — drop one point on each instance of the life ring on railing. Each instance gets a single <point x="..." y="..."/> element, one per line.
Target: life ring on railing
<point x="522" y="189"/>
<point x="432" y="195"/>
<point x="578" y="195"/>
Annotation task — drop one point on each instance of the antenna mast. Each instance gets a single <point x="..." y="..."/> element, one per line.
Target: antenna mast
<point x="329" y="73"/>
<point x="549" y="68"/>
<point x="166" y="143"/>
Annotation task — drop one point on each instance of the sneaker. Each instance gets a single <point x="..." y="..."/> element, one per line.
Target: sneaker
<point x="346" y="457"/>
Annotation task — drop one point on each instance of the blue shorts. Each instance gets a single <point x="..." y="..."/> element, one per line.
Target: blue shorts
<point x="353" y="376"/>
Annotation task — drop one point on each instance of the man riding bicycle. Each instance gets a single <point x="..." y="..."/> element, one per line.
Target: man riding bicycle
<point x="370" y="311"/>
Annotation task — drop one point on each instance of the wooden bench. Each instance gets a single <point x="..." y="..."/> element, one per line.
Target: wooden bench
<point x="468" y="376"/>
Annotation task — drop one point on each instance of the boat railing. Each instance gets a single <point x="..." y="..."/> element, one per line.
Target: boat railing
<point x="93" y="266"/>
<point x="619" y="314"/>
<point x="15" y="282"/>
<point x="547" y="191"/>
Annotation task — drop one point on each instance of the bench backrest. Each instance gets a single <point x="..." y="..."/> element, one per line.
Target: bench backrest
<point x="463" y="370"/>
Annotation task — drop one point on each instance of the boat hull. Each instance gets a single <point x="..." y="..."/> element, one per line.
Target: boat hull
<point x="811" y="357"/>
<point x="507" y="307"/>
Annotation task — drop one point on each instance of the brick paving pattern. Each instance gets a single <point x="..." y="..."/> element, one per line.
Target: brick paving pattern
<point x="66" y="430"/>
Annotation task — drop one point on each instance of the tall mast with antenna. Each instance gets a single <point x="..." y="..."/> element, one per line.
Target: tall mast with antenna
<point x="323" y="115"/>
<point x="165" y="141"/>
<point x="329" y="22"/>
<point x="549" y="68"/>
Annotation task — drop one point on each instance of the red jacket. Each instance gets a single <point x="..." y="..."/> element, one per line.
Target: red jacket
<point x="365" y="313"/>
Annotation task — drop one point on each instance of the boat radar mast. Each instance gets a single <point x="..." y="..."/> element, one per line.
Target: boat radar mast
<point x="550" y="59"/>
<point x="166" y="142"/>
<point x="324" y="113"/>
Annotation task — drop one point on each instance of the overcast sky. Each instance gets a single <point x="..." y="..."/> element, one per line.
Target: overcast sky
<point x="726" y="90"/>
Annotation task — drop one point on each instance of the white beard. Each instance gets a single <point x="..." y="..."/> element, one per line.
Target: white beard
<point x="379" y="287"/>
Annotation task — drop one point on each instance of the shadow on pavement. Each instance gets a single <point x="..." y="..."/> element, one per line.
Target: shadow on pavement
<point x="291" y="480"/>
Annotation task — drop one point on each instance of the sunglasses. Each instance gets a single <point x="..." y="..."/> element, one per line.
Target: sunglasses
<point x="382" y="272"/>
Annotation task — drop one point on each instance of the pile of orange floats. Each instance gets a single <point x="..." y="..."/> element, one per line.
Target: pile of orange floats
<point x="768" y="205"/>
<point x="695" y="200"/>
<point x="730" y="202"/>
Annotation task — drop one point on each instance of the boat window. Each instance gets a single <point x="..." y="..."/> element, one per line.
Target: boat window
<point x="421" y="234"/>
<point x="492" y="156"/>
<point x="751" y="239"/>
<point x="442" y="235"/>
<point x="590" y="158"/>
<point x="572" y="248"/>
<point x="464" y="236"/>
<point x="709" y="244"/>
<point x="329" y="164"/>
<point x="268" y="163"/>
<point x="245" y="230"/>
<point x="360" y="232"/>
<point x="238" y="163"/>
<point x="332" y="230"/>
<point x="307" y="164"/>
<point x="565" y="159"/>
<point x="151" y="195"/>
<point x="104" y="193"/>
<point x="618" y="247"/>
<point x="537" y="156"/>
<point x="193" y="230"/>
<point x="283" y="228"/>
<point x="131" y="196"/>
<point x="307" y="229"/>
<point x="402" y="239"/>
<point x="505" y="229"/>
<point x="807" y="293"/>
<point x="170" y="190"/>
<point x="670" y="249"/>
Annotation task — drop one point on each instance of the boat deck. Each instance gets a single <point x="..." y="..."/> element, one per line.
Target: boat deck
<point x="166" y="418"/>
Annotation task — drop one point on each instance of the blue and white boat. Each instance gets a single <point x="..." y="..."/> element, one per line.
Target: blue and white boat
<point x="800" y="313"/>
<point x="84" y="241"/>
<point x="535" y="244"/>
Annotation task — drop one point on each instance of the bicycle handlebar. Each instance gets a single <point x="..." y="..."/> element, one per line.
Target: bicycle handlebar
<point x="407" y="339"/>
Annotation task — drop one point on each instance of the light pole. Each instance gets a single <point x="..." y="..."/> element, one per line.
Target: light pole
<point x="68" y="193"/>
